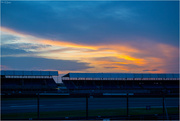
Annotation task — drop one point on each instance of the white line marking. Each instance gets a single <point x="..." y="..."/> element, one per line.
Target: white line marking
<point x="25" y="106"/>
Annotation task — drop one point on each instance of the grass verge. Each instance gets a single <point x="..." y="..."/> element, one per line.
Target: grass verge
<point x="82" y="113"/>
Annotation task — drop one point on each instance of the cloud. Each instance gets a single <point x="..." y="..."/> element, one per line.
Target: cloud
<point x="27" y="47"/>
<point x="8" y="51"/>
<point x="109" y="58"/>
<point x="7" y="38"/>
<point x="94" y="22"/>
<point x="150" y="70"/>
<point x="32" y="63"/>
<point x="125" y="57"/>
<point x="110" y="67"/>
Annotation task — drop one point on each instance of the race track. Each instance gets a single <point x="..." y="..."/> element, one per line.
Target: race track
<point x="64" y="104"/>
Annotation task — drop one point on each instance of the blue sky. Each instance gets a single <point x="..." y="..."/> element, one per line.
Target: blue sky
<point x="93" y="36"/>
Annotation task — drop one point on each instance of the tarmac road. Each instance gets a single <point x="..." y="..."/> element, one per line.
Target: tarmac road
<point x="62" y="104"/>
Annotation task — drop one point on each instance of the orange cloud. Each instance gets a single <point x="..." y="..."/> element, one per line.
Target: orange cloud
<point x="3" y="29"/>
<point x="126" y="57"/>
<point x="67" y="44"/>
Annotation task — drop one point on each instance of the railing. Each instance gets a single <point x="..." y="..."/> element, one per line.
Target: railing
<point x="29" y="77"/>
<point x="88" y="107"/>
<point x="136" y="79"/>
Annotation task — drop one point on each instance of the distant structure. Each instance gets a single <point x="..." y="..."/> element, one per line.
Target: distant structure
<point x="122" y="83"/>
<point x="27" y="82"/>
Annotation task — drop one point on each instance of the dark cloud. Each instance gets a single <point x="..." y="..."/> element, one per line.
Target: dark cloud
<point x="95" y="22"/>
<point x="110" y="67"/>
<point x="109" y="58"/>
<point x="8" y="51"/>
<point x="131" y="66"/>
<point x="151" y="70"/>
<point x="25" y="46"/>
<point x="32" y="63"/>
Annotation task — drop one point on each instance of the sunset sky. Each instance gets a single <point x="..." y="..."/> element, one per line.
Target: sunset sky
<point x="104" y="36"/>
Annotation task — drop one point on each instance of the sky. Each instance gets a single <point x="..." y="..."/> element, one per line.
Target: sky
<point x="90" y="36"/>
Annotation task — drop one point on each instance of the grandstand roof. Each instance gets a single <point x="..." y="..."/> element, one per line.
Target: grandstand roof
<point x="29" y="73"/>
<point x="120" y="75"/>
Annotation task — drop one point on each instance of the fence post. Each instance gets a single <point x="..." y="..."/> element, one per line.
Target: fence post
<point x="127" y="104"/>
<point x="38" y="105"/>
<point x="86" y="107"/>
<point x="163" y="108"/>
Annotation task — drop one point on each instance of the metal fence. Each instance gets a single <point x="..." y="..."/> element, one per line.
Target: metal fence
<point x="89" y="107"/>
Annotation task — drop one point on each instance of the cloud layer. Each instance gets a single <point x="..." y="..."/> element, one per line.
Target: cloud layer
<point x="32" y="63"/>
<point x="95" y="22"/>
<point x="89" y="36"/>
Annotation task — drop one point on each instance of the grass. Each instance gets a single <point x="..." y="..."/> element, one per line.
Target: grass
<point x="82" y="113"/>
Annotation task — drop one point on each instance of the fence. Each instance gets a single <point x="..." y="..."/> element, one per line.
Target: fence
<point x="89" y="107"/>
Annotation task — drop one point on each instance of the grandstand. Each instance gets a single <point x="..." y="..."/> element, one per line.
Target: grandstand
<point x="96" y="96"/>
<point x="135" y="83"/>
<point x="27" y="82"/>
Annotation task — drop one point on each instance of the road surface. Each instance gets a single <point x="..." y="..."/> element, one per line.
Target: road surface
<point x="67" y="104"/>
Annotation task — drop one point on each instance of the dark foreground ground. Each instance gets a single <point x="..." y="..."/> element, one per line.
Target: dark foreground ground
<point x="54" y="108"/>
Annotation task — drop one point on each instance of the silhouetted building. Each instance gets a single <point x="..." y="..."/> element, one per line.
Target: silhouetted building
<point x="27" y="82"/>
<point x="134" y="83"/>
